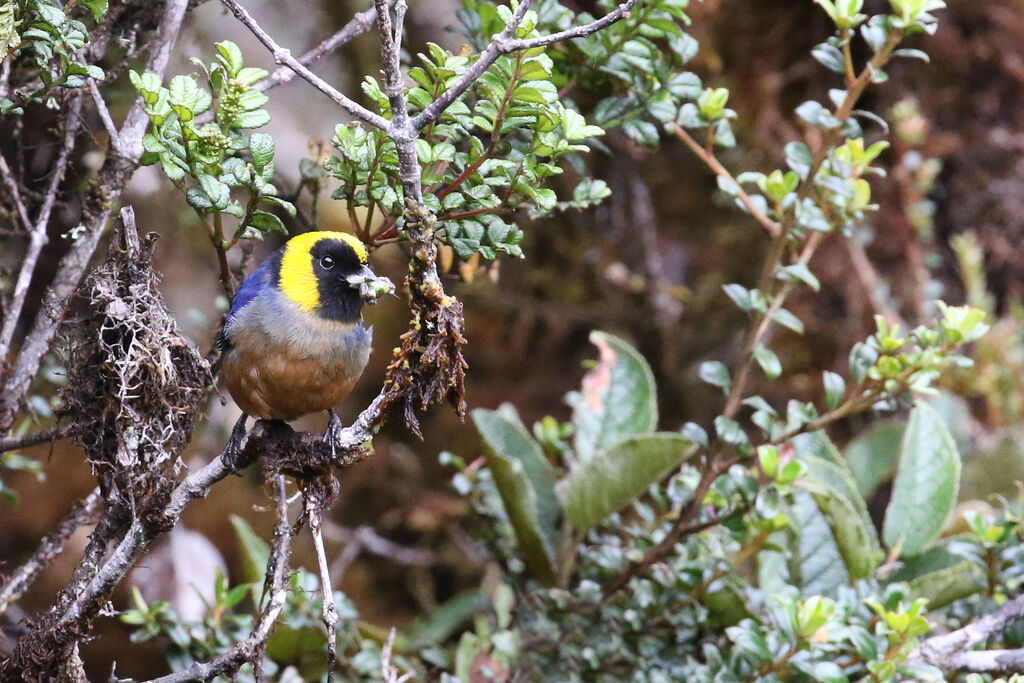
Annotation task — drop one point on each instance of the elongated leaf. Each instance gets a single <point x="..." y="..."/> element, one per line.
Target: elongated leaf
<point x="526" y="482"/>
<point x="836" y="494"/>
<point x="614" y="476"/>
<point x="926" y="483"/>
<point x="618" y="397"/>
<point x="874" y="455"/>
<point x="818" y="445"/>
<point x="946" y="585"/>
<point x="822" y="570"/>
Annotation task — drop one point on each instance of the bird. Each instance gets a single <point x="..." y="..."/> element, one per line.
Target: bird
<point x="294" y="342"/>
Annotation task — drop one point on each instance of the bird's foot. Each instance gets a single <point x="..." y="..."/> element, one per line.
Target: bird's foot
<point x="233" y="449"/>
<point x="333" y="433"/>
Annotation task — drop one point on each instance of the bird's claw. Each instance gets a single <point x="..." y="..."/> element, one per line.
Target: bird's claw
<point x="233" y="450"/>
<point x="333" y="433"/>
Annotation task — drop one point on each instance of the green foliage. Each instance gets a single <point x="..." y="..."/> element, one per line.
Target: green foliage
<point x="616" y="475"/>
<point x="208" y="160"/>
<point x="765" y="568"/>
<point x="46" y="34"/>
<point x="926" y="483"/>
<point x="12" y="461"/>
<point x="526" y="482"/>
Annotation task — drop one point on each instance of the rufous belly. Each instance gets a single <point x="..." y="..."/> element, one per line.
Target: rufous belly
<point x="284" y="387"/>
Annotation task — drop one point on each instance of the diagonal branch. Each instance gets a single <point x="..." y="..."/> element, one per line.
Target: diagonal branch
<point x="39" y="237"/>
<point x="284" y="56"/>
<point x="357" y="26"/>
<point x="84" y="512"/>
<point x="506" y="42"/>
<point x="250" y="650"/>
<point x="954" y="651"/>
<point x="114" y="175"/>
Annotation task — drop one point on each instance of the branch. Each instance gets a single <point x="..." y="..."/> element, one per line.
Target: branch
<point x="86" y="511"/>
<point x="505" y="42"/>
<point x="39" y="237"/>
<point x="370" y="540"/>
<point x="715" y="165"/>
<point x="48" y="435"/>
<point x="284" y="56"/>
<point x="357" y="26"/>
<point x="250" y="650"/>
<point x="12" y="187"/>
<point x="329" y="614"/>
<point x="115" y="173"/>
<point x="401" y="130"/>
<point x="952" y="651"/>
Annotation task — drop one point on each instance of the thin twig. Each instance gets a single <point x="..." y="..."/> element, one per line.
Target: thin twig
<point x="48" y="435"/>
<point x="115" y="173"/>
<point x="103" y="111"/>
<point x="954" y="651"/>
<point x="12" y="187"/>
<point x="357" y="26"/>
<point x="250" y="650"/>
<point x="369" y="539"/>
<point x="284" y="57"/>
<point x="504" y="43"/>
<point x="329" y="613"/>
<point x="401" y="130"/>
<point x="389" y="672"/>
<point x="39" y="238"/>
<point x="715" y="165"/>
<point x="84" y="512"/>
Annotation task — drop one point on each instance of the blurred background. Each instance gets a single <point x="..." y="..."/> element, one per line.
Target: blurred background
<point x="648" y="264"/>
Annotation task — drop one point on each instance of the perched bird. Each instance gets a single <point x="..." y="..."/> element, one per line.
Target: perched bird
<point x="294" y="341"/>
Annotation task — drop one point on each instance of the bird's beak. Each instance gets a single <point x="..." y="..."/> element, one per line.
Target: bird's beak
<point x="371" y="286"/>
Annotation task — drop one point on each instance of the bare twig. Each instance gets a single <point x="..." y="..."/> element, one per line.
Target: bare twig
<point x="504" y="43"/>
<point x="357" y="26"/>
<point x="329" y="613"/>
<point x="250" y="650"/>
<point x="103" y="111"/>
<point x="48" y="435"/>
<point x="39" y="237"/>
<point x="82" y="513"/>
<point x="389" y="672"/>
<point x="869" y="280"/>
<point x="12" y="187"/>
<point x="284" y="56"/>
<point x="401" y="131"/>
<point x="953" y="651"/>
<point x="369" y="539"/>
<point x="113" y="176"/>
<point x="715" y="165"/>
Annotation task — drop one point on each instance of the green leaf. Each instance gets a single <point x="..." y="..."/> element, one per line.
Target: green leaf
<point x="941" y="576"/>
<point x="526" y="483"/>
<point x="822" y="570"/>
<point x="218" y="192"/>
<point x="615" y="476"/>
<point x="874" y="455"/>
<point x="836" y="494"/>
<point x="768" y="361"/>
<point x="97" y="7"/>
<point x="230" y="56"/>
<point x="787" y="319"/>
<point x="835" y="389"/>
<point x="255" y="551"/>
<point x="267" y="222"/>
<point x="262" y="147"/>
<point x="926" y="483"/>
<point x="716" y="374"/>
<point x="618" y="398"/>
<point x="251" y="119"/>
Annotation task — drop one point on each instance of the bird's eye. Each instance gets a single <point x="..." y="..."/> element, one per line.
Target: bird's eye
<point x="327" y="262"/>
